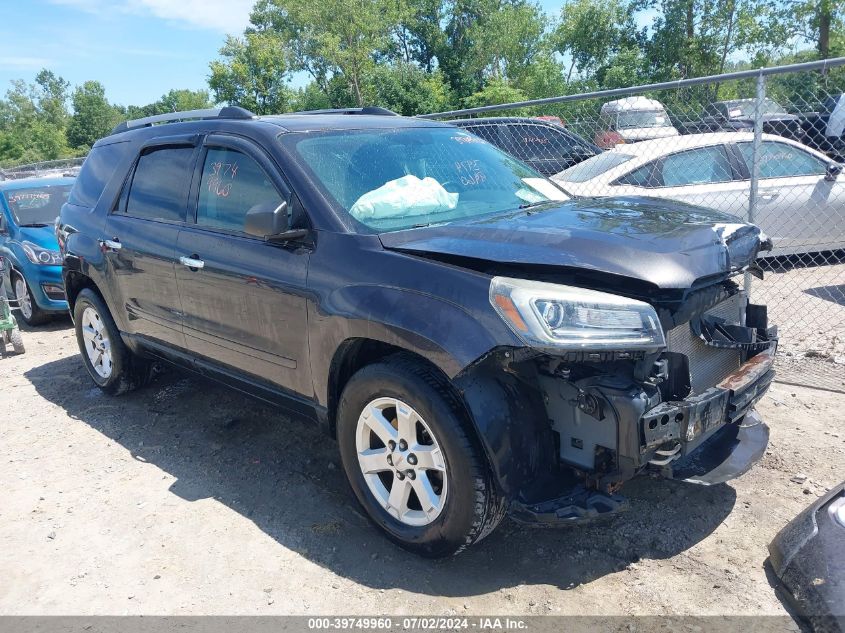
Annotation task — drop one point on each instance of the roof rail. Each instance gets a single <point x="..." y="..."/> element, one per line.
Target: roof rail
<point x="375" y="110"/>
<point x="228" y="112"/>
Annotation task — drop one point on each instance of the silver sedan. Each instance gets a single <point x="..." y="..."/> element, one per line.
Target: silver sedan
<point x="801" y="201"/>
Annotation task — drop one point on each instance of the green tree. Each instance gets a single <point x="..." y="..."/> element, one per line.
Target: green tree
<point x="180" y="100"/>
<point x="253" y="73"/>
<point x="496" y="91"/>
<point x="407" y="89"/>
<point x="820" y="22"/>
<point x="331" y="37"/>
<point x="506" y="42"/>
<point x="593" y="33"/>
<point x="33" y="120"/>
<point x="93" y="116"/>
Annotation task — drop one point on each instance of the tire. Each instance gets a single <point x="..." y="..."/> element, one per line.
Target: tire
<point x="27" y="308"/>
<point x="16" y="340"/>
<point x="111" y="365"/>
<point x="466" y="507"/>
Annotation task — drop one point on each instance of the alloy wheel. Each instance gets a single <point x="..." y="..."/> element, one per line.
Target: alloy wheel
<point x="97" y="343"/>
<point x="23" y="298"/>
<point x="401" y="461"/>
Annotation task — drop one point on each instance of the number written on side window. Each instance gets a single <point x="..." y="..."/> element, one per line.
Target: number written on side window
<point x="159" y="186"/>
<point x="232" y="183"/>
<point x="781" y="160"/>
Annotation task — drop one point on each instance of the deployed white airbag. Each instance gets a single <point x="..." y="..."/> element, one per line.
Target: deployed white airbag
<point x="404" y="197"/>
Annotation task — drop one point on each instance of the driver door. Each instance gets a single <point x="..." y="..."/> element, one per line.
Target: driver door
<point x="243" y="299"/>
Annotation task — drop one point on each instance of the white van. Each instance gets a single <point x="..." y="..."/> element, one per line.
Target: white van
<point x="632" y="119"/>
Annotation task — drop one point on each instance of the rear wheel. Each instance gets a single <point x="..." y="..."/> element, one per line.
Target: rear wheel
<point x="29" y="310"/>
<point x="109" y="362"/>
<point x="411" y="460"/>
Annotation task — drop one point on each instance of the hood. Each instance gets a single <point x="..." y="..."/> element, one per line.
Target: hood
<point x="43" y="236"/>
<point x="667" y="244"/>
<point x="647" y="133"/>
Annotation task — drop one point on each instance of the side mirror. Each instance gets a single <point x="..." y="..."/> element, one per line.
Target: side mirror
<point x="269" y="220"/>
<point x="833" y="170"/>
<point x="266" y="219"/>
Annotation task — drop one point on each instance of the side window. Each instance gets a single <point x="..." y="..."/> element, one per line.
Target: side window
<point x="487" y="132"/>
<point x="159" y="188"/>
<point x="232" y="183"/>
<point x="638" y="178"/>
<point x="781" y="160"/>
<point x="696" y="167"/>
<point x="95" y="174"/>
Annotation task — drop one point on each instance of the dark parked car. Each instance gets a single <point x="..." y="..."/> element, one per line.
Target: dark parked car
<point x="476" y="342"/>
<point x="825" y="129"/>
<point x="545" y="146"/>
<point x="738" y="115"/>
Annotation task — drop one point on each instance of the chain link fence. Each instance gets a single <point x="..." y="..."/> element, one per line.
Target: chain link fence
<point x="764" y="145"/>
<point x="48" y="168"/>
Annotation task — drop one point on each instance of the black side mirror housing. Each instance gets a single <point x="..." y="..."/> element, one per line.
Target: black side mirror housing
<point x="266" y="219"/>
<point x="269" y="220"/>
<point x="833" y="170"/>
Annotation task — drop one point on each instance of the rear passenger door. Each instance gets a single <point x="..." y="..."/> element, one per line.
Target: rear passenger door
<point x="139" y="240"/>
<point x="243" y="299"/>
<point x="796" y="206"/>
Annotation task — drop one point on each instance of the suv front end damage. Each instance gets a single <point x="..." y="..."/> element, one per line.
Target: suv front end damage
<point x="683" y="409"/>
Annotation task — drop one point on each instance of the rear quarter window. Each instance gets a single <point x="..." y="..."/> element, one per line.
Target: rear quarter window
<point x="97" y="170"/>
<point x="595" y="166"/>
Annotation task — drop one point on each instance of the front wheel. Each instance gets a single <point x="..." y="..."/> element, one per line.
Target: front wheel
<point x="109" y="362"/>
<point x="411" y="460"/>
<point x="29" y="310"/>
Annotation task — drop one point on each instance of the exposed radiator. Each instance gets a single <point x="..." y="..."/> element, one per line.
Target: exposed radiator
<point x="709" y="365"/>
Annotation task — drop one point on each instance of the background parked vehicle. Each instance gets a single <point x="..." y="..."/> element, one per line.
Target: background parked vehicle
<point x="547" y="147"/>
<point x="632" y="119"/>
<point x="737" y="115"/>
<point x="825" y="129"/>
<point x="399" y="281"/>
<point x="28" y="210"/>
<point x="801" y="200"/>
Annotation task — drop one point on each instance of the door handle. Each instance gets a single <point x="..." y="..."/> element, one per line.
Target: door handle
<point x="112" y="244"/>
<point x="191" y="262"/>
<point x="768" y="197"/>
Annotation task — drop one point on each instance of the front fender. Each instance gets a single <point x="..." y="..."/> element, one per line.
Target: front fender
<point x="443" y="332"/>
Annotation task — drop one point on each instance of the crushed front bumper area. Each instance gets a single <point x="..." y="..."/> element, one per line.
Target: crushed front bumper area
<point x="563" y="432"/>
<point x="676" y="432"/>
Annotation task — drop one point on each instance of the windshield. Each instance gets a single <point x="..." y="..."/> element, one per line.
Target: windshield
<point x="745" y="108"/>
<point x="642" y="118"/>
<point x="396" y="179"/>
<point x="593" y="167"/>
<point x="37" y="206"/>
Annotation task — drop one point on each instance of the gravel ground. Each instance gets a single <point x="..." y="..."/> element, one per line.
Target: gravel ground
<point x="187" y="498"/>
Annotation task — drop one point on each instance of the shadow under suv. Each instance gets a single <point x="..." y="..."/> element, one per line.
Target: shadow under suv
<point x="477" y="342"/>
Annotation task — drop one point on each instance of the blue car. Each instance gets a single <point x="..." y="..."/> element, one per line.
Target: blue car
<point x="28" y="209"/>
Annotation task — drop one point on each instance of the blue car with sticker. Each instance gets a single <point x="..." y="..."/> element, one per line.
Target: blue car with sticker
<point x="28" y="209"/>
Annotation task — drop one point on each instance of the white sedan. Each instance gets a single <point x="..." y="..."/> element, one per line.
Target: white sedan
<point x="801" y="203"/>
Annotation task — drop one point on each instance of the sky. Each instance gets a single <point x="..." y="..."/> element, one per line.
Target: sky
<point x="138" y="49"/>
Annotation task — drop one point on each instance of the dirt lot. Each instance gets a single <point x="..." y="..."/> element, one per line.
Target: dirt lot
<point x="186" y="498"/>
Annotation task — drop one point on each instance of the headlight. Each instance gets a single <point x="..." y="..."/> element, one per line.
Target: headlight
<point x="38" y="255"/>
<point x="565" y="318"/>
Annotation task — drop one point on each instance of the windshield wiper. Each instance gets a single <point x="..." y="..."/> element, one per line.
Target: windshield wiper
<point x="34" y="225"/>
<point x="534" y="205"/>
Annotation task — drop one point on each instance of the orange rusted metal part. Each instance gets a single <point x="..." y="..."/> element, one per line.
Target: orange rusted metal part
<point x="750" y="371"/>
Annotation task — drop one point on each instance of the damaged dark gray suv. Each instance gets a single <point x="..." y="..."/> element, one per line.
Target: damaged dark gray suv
<point x="478" y="342"/>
